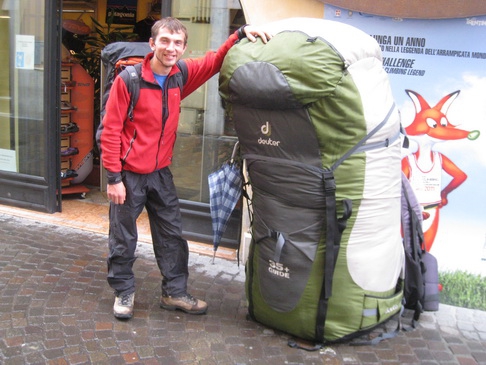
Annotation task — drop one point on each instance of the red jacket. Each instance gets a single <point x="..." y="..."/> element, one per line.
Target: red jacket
<point x="146" y="144"/>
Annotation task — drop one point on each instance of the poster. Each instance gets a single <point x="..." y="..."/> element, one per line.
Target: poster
<point x="437" y="71"/>
<point x="123" y="11"/>
<point x="24" y="51"/>
<point x="8" y="160"/>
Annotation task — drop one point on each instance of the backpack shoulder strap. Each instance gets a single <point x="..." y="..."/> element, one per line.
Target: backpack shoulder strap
<point x="181" y="78"/>
<point x="183" y="67"/>
<point x="131" y="76"/>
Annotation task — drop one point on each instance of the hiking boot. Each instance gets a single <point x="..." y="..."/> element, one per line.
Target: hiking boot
<point x="123" y="307"/>
<point x="186" y="303"/>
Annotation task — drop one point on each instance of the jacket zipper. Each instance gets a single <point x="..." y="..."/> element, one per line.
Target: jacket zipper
<point x="165" y="116"/>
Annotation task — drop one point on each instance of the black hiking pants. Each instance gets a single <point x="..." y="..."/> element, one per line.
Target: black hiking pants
<point x="156" y="192"/>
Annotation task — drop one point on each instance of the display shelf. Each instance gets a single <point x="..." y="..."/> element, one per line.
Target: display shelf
<point x="77" y="89"/>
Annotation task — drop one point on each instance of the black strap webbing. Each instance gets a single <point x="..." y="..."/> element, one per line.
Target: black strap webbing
<point x="382" y="336"/>
<point x="334" y="229"/>
<point x="133" y="86"/>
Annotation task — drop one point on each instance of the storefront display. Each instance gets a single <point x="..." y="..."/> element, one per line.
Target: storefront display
<point x="77" y="105"/>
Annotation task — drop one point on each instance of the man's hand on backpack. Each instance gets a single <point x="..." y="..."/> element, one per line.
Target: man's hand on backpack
<point x="116" y="193"/>
<point x="252" y="32"/>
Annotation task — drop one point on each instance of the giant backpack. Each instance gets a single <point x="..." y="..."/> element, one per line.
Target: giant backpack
<point x="319" y="133"/>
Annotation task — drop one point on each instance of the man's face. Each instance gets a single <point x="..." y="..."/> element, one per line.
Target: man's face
<point x="168" y="47"/>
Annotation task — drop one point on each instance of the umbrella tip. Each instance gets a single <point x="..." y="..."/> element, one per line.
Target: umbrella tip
<point x="214" y="256"/>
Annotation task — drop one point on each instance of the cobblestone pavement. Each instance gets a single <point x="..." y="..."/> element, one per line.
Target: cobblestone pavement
<point x="56" y="308"/>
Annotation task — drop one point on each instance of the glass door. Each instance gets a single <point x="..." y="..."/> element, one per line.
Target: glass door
<point x="29" y="94"/>
<point x="205" y="140"/>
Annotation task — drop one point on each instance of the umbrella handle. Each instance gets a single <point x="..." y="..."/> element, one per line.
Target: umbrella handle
<point x="235" y="148"/>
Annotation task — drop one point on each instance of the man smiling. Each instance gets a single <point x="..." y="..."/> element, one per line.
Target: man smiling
<point x="137" y="150"/>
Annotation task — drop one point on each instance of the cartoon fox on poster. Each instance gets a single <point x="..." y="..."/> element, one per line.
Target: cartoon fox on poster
<point x="424" y="167"/>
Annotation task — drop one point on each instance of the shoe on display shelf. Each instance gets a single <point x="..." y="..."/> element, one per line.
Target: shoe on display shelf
<point x="68" y="174"/>
<point x="71" y="127"/>
<point x="66" y="105"/>
<point x="70" y="151"/>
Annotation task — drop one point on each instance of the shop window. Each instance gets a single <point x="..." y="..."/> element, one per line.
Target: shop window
<point x="23" y="138"/>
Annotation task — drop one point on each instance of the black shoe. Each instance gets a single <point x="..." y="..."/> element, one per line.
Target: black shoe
<point x="69" y="128"/>
<point x="68" y="173"/>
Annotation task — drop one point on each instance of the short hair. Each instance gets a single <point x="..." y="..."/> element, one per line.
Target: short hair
<point x="172" y="24"/>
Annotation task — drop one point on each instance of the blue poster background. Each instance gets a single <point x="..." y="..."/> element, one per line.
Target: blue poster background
<point x="435" y="58"/>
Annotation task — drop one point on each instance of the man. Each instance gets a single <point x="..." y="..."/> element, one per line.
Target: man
<point x="137" y="152"/>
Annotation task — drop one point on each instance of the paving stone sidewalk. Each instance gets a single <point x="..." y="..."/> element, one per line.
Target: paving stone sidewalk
<point x="56" y="308"/>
